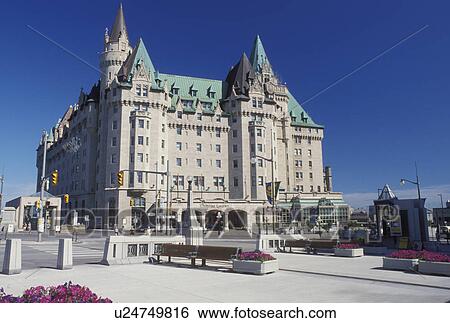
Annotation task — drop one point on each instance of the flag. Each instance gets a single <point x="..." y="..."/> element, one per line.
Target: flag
<point x="269" y="191"/>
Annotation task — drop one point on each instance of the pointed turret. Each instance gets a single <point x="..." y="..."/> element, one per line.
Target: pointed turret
<point x="240" y="77"/>
<point x="258" y="57"/>
<point x="119" y="29"/>
<point x="139" y="55"/>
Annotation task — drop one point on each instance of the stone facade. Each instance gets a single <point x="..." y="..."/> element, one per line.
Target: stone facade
<point x="232" y="137"/>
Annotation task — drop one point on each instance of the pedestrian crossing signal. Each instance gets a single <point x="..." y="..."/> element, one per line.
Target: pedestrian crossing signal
<point x="55" y="177"/>
<point x="66" y="198"/>
<point x="120" y="178"/>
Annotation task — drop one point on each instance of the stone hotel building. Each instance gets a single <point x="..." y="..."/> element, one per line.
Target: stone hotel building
<point x="230" y="137"/>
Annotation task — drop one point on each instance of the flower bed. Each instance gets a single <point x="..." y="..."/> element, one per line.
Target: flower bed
<point x="348" y="250"/>
<point x="67" y="293"/>
<point x="255" y="262"/>
<point x="426" y="262"/>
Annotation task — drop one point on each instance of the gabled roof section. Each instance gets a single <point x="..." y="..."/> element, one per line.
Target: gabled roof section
<point x="138" y="56"/>
<point x="258" y="56"/>
<point x="119" y="28"/>
<point x="239" y="77"/>
<point x="386" y="193"/>
<point x="299" y="115"/>
<point x="208" y="91"/>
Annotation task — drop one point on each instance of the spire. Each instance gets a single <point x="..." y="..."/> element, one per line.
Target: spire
<point x="119" y="29"/>
<point x="240" y="77"/>
<point x="386" y="193"/>
<point x="258" y="56"/>
<point x="138" y="56"/>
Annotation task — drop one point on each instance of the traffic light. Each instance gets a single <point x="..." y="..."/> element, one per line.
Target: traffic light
<point x="120" y="178"/>
<point x="37" y="204"/>
<point x="66" y="198"/>
<point x="55" y="177"/>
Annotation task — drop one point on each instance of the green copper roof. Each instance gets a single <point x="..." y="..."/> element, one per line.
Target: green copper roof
<point x="138" y="56"/>
<point x="195" y="89"/>
<point x="258" y="56"/>
<point x="301" y="117"/>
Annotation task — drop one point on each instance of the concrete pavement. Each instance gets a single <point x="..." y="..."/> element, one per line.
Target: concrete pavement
<point x="331" y="281"/>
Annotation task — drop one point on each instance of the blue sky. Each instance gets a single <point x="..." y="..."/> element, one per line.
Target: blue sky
<point x="392" y="112"/>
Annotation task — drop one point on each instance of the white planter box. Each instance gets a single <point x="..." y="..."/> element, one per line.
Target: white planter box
<point x="357" y="252"/>
<point x="400" y="264"/>
<point x="438" y="268"/>
<point x="255" y="267"/>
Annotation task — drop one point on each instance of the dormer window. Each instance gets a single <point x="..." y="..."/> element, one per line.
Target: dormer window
<point x="138" y="89"/>
<point x="194" y="92"/>
<point x="175" y="90"/>
<point x="254" y="102"/>
<point x="187" y="103"/>
<point x="145" y="90"/>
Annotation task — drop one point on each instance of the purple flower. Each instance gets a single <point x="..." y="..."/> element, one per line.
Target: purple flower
<point x="422" y="255"/>
<point x="66" y="293"/>
<point x="348" y="246"/>
<point x="255" y="256"/>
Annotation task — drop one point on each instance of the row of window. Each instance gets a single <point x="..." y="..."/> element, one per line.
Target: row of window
<point x="300" y="188"/>
<point x="198" y="146"/>
<point x="298" y="152"/>
<point x="299" y="163"/>
<point x="298" y="140"/>
<point x="199" y="131"/>
<point x="299" y="175"/>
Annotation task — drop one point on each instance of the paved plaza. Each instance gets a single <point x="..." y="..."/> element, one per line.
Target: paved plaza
<point x="301" y="278"/>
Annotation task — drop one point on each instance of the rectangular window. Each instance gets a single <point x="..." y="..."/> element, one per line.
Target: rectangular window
<point x="179" y="114"/>
<point x="260" y="162"/>
<point x="254" y="102"/>
<point x="218" y="118"/>
<point x="114" y="141"/>
<point x="218" y="181"/>
<point x="260" y="148"/>
<point x="162" y="160"/>
<point x="235" y="132"/>
<point x="217" y="132"/>
<point x="141" y="123"/>
<point x="260" y="180"/>
<point x="113" y="159"/>
<point x="163" y="143"/>
<point x="199" y="181"/>
<point x="178" y="129"/>
<point x="179" y="145"/>
<point x="145" y="90"/>
<point x="140" y="140"/>
<point x="235" y="181"/>
<point x="178" y="161"/>
<point x="114" y="124"/>
<point x="199" y="162"/>
<point x="199" y="131"/>
<point x="218" y="163"/>
<point x="140" y="177"/>
<point x="310" y="164"/>
<point x="199" y="116"/>
<point x="140" y="157"/>
<point x="260" y="103"/>
<point x="138" y="89"/>
<point x="218" y="148"/>
<point x="235" y="163"/>
<point x="310" y="175"/>
<point x="235" y="148"/>
<point x="199" y="147"/>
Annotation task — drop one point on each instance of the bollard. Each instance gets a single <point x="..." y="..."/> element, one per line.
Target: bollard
<point x="65" y="259"/>
<point x="12" y="262"/>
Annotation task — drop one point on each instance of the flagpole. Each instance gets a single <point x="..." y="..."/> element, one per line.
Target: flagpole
<point x="272" y="184"/>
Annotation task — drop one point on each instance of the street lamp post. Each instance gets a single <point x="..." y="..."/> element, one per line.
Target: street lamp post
<point x="43" y="179"/>
<point x="438" y="226"/>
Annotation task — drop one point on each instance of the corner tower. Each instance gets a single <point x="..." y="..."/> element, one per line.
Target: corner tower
<point x="116" y="50"/>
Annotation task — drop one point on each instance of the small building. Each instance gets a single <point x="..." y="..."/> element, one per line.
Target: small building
<point x="27" y="212"/>
<point x="400" y="218"/>
<point x="442" y="215"/>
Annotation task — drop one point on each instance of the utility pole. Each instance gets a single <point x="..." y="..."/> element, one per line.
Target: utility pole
<point x="158" y="222"/>
<point x="2" y="179"/>
<point x="167" y="197"/>
<point x="43" y="179"/>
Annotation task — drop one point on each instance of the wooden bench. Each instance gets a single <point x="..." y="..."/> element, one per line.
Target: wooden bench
<point x="170" y="250"/>
<point x="295" y="244"/>
<point x="321" y="244"/>
<point x="216" y="253"/>
<point x="310" y="245"/>
<point x="197" y="252"/>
